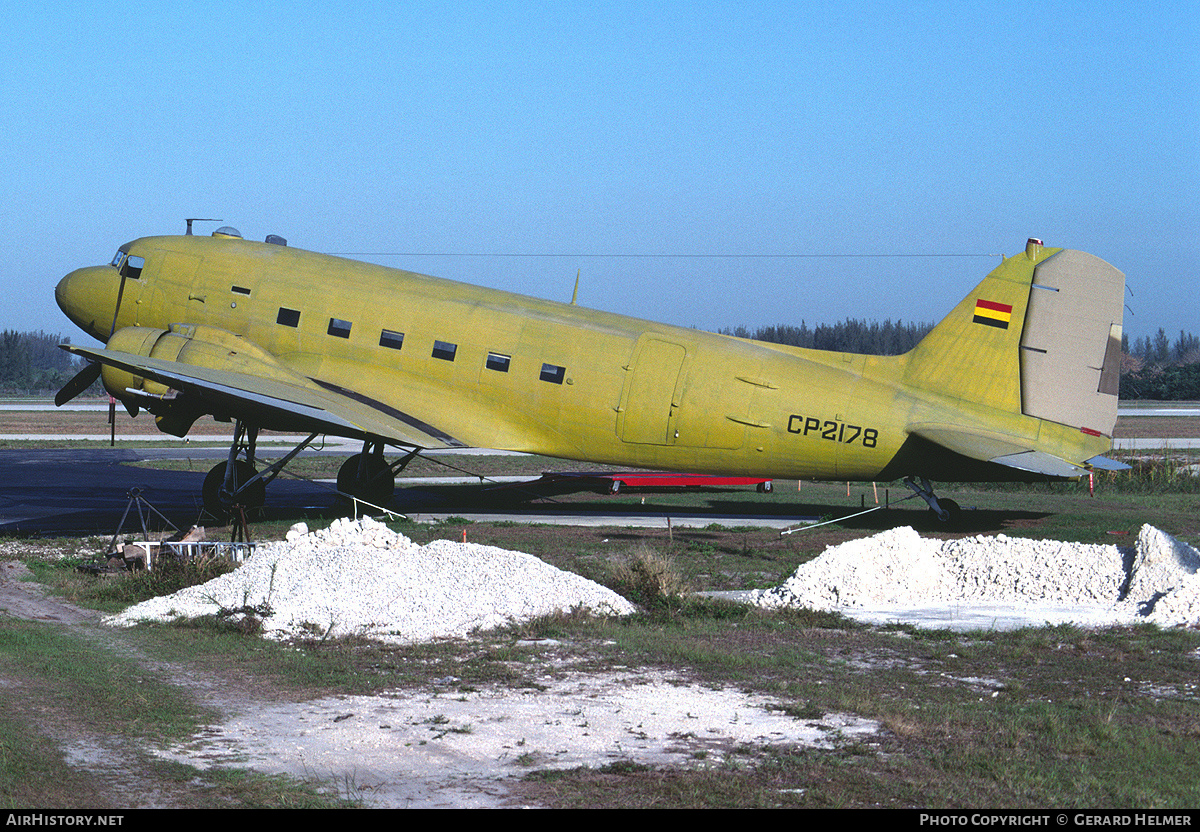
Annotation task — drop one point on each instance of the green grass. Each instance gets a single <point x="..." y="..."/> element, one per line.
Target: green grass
<point x="97" y="686"/>
<point x="113" y="593"/>
<point x="1031" y="719"/>
<point x="72" y="687"/>
<point x="33" y="773"/>
<point x="1027" y="719"/>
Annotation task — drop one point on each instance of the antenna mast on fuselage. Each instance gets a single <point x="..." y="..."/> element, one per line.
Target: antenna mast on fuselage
<point x="191" y="220"/>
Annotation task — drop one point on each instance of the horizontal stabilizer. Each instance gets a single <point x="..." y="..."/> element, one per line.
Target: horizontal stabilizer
<point x="1103" y="463"/>
<point x="974" y="444"/>
<point x="1011" y="453"/>
<point x="1038" y="462"/>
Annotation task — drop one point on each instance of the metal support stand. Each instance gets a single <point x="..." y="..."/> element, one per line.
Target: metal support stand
<point x="144" y="509"/>
<point x="241" y="529"/>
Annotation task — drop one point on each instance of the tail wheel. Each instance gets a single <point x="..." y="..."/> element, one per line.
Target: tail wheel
<point x="953" y="513"/>
<point x="218" y="500"/>
<point x="367" y="477"/>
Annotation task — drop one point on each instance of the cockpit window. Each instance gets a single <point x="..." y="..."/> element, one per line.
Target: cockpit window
<point x="117" y="258"/>
<point x="133" y="266"/>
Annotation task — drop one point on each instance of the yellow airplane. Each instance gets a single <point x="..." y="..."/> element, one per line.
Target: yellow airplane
<point x="1019" y="382"/>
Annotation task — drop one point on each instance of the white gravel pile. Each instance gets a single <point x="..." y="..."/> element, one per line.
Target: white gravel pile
<point x="360" y="578"/>
<point x="1157" y="580"/>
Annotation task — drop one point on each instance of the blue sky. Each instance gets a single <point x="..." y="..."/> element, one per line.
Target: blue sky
<point x="640" y="128"/>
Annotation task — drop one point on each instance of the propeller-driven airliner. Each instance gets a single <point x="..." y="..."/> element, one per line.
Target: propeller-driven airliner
<point x="1018" y="382"/>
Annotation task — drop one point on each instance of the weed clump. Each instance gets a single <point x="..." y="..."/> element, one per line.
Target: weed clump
<point x="168" y="576"/>
<point x="649" y="579"/>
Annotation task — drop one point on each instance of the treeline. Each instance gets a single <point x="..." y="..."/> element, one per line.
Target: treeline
<point x="1156" y="368"/>
<point x="870" y="338"/>
<point x="1161" y="369"/>
<point x="32" y="364"/>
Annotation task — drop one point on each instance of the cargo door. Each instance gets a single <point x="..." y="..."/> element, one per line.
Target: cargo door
<point x="649" y="402"/>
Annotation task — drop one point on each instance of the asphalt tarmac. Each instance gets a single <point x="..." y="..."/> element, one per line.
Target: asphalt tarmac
<point x="83" y="491"/>
<point x="71" y="491"/>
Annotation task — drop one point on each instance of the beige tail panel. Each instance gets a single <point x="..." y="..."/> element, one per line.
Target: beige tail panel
<point x="1071" y="342"/>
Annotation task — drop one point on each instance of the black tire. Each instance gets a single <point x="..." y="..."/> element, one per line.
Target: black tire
<point x="378" y="484"/>
<point x="218" y="503"/>
<point x="766" y="487"/>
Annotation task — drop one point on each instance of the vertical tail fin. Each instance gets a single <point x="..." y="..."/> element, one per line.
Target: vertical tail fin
<point x="1039" y="336"/>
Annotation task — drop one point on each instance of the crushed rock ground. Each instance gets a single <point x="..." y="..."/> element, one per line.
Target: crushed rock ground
<point x="450" y="749"/>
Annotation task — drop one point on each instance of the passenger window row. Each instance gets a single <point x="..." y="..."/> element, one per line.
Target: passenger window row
<point x="444" y="350"/>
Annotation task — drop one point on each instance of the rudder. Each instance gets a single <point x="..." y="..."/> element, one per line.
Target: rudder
<point x="1071" y="344"/>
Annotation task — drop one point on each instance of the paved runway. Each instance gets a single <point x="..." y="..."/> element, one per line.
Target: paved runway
<point x="70" y="491"/>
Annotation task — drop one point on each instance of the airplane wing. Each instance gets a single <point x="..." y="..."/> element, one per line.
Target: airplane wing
<point x="300" y="404"/>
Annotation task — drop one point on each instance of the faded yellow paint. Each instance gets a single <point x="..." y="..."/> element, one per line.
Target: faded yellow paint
<point x="284" y="338"/>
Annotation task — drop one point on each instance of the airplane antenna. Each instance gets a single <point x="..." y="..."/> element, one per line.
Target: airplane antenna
<point x="191" y="220"/>
<point x="575" y="294"/>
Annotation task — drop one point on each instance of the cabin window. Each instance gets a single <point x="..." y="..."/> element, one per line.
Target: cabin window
<point x="133" y="266"/>
<point x="117" y="258"/>
<point x="241" y="290"/>
<point x="553" y="373"/>
<point x="288" y="317"/>
<point x="339" y="328"/>
<point x="391" y="340"/>
<point x="498" y="362"/>
<point x="444" y="350"/>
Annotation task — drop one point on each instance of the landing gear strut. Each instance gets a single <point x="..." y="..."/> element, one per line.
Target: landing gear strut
<point x="368" y="477"/>
<point x="237" y="481"/>
<point x="945" y="510"/>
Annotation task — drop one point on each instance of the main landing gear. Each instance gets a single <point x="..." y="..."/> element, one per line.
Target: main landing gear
<point x="368" y="477"/>
<point x="945" y="510"/>
<point x="237" y="481"/>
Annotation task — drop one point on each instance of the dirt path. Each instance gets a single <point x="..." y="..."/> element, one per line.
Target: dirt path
<point x="110" y="770"/>
<point x="21" y="598"/>
<point x="431" y="747"/>
<point x="113" y="773"/>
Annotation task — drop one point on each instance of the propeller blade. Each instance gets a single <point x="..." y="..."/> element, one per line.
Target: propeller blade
<point x="82" y="381"/>
<point x="117" y="306"/>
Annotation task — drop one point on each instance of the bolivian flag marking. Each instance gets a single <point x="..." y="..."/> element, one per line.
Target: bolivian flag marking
<point x="993" y="314"/>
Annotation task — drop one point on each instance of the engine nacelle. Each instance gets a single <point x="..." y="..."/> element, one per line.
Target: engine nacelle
<point x="136" y="340"/>
<point x="200" y="346"/>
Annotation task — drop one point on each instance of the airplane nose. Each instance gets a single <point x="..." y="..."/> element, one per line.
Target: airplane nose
<point x="88" y="296"/>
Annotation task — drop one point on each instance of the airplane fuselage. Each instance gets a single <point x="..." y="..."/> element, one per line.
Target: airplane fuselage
<point x="493" y="369"/>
